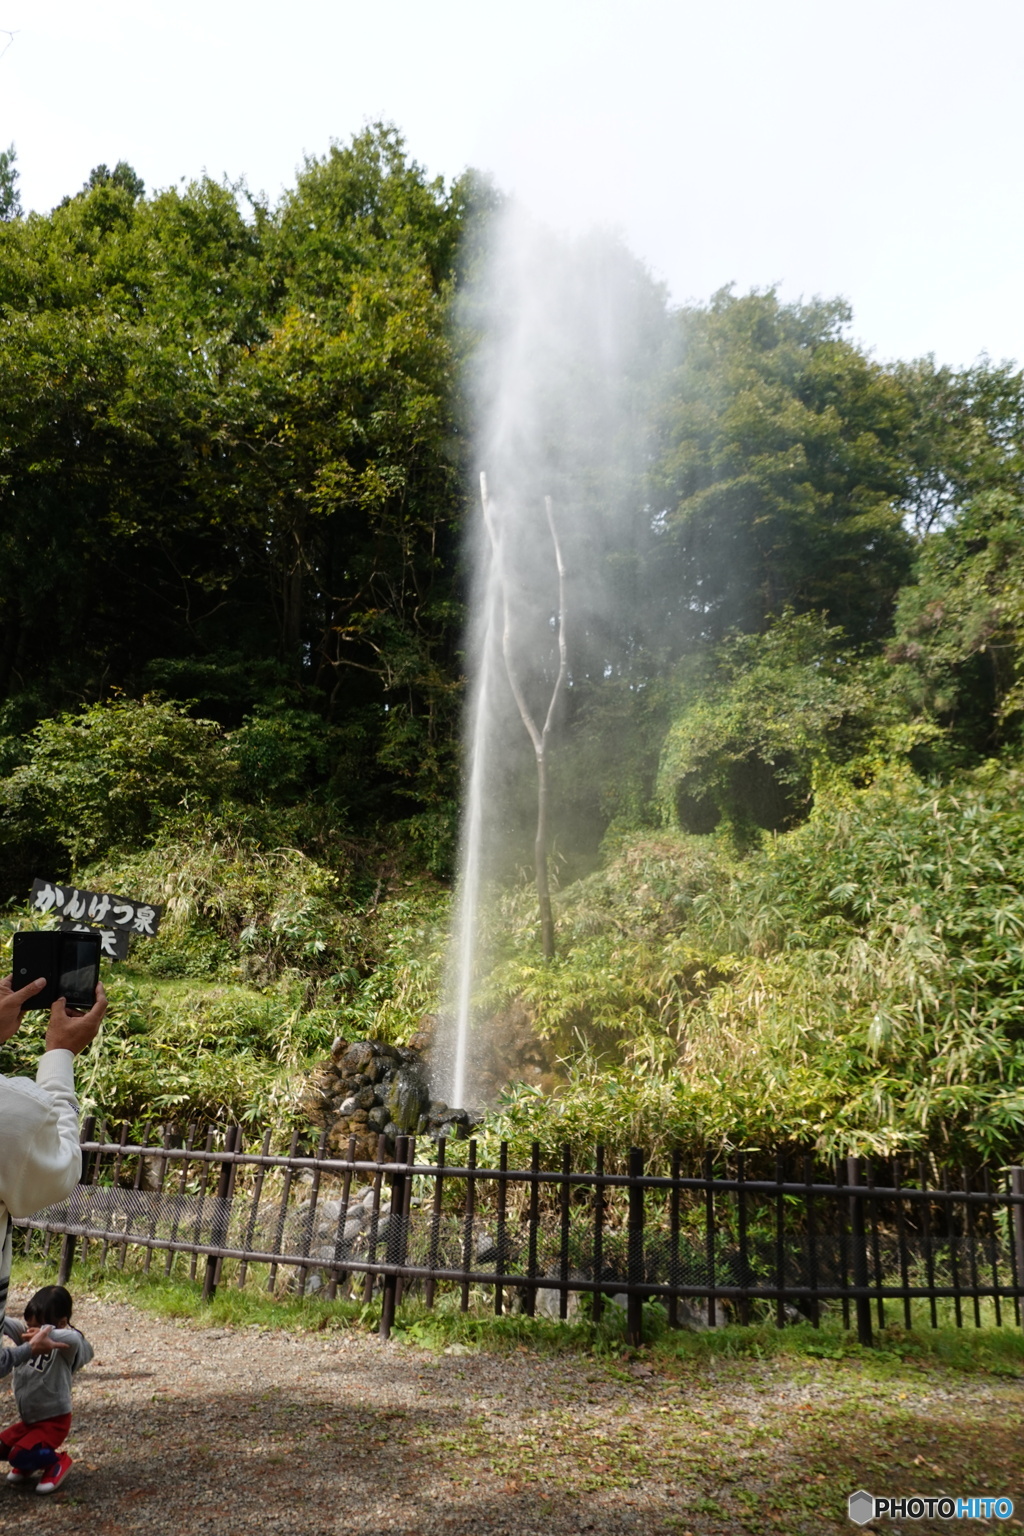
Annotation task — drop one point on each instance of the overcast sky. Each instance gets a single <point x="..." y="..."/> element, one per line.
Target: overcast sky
<point x="872" y="149"/>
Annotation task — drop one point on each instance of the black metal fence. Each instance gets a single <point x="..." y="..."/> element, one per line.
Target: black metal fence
<point x="735" y="1240"/>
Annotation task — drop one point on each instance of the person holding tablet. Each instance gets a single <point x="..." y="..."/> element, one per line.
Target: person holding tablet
<point x="40" y="1159"/>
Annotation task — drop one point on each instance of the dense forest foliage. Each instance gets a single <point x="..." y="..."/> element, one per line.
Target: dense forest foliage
<point x="235" y="472"/>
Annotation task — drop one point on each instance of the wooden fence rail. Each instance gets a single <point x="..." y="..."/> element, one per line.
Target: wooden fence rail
<point x="710" y="1244"/>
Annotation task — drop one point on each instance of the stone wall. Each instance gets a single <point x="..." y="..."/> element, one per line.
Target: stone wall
<point x="370" y="1089"/>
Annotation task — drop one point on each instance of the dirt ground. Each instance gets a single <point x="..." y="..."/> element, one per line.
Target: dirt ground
<point x="243" y="1432"/>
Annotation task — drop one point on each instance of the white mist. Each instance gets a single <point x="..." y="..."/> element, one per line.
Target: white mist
<point x="570" y="337"/>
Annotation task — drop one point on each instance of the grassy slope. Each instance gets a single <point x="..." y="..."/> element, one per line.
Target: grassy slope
<point x="260" y="962"/>
<point x="855" y="983"/>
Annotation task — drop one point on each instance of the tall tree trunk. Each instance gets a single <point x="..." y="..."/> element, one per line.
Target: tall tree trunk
<point x="540" y="738"/>
<point x="291" y="597"/>
<point x="540" y="861"/>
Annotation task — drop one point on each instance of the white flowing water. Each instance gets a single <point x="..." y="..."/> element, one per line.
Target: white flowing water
<point x="468" y="901"/>
<point x="566" y="332"/>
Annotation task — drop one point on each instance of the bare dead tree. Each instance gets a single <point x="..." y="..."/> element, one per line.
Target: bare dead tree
<point x="539" y="737"/>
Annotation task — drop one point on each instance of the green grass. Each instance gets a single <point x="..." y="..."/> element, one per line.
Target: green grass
<point x="988" y="1351"/>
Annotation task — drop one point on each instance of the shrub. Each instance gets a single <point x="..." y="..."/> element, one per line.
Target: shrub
<point x="113" y="776"/>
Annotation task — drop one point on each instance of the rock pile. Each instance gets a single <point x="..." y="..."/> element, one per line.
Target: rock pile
<point x="370" y="1089"/>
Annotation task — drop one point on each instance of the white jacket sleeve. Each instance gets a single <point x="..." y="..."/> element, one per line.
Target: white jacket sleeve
<point x="40" y="1160"/>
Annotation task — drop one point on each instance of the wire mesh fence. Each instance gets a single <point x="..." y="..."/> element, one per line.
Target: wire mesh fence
<point x="724" y="1241"/>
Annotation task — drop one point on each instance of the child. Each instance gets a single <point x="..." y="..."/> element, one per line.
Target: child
<point x="42" y="1389"/>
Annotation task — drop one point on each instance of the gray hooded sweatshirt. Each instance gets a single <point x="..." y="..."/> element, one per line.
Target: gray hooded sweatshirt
<point x="42" y="1385"/>
<point x="40" y="1160"/>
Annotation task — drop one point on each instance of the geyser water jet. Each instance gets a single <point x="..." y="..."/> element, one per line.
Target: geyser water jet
<point x="498" y="610"/>
<point x="557" y="381"/>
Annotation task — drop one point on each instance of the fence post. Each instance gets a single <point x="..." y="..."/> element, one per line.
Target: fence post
<point x="302" y="1271"/>
<point x="598" y="1231"/>
<point x="1017" y="1188"/>
<point x="140" y="1168"/>
<point x="563" y="1236"/>
<point x="166" y="1138"/>
<point x="502" y="1192"/>
<point x="115" y="1180"/>
<point x="812" y="1238"/>
<point x="530" y="1298"/>
<point x="467" y="1236"/>
<point x="780" y="1241"/>
<point x="341" y="1240"/>
<point x="860" y="1254"/>
<point x="674" y="1269"/>
<point x="183" y="1187"/>
<point x="403" y="1257"/>
<point x="204" y="1179"/>
<point x="286" y="1184"/>
<point x="218" y="1230"/>
<point x="393" y="1244"/>
<point x="709" y="1233"/>
<point x="254" y="1206"/>
<point x="369" y="1283"/>
<point x="67" y="1247"/>
<point x="634" y="1300"/>
<point x="741" y="1234"/>
<point x="435" y="1222"/>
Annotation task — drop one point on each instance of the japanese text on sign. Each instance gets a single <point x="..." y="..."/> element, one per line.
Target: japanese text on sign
<point x="113" y="942"/>
<point x="97" y="909"/>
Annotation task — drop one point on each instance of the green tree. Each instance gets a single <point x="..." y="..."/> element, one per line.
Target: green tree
<point x="781" y="473"/>
<point x="958" y="647"/>
<point x="10" y="197"/>
<point x="105" y="365"/>
<point x="229" y="431"/>
<point x="959" y="642"/>
<point x="351" y="468"/>
<point x="965" y="436"/>
<point x="123" y="176"/>
<point x="763" y="717"/>
<point x="112" y="777"/>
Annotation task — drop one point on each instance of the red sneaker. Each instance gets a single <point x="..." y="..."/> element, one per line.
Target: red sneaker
<point x="53" y="1478"/>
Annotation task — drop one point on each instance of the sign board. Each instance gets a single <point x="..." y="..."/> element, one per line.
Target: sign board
<point x="117" y="917"/>
<point x="95" y="908"/>
<point x="113" y="941"/>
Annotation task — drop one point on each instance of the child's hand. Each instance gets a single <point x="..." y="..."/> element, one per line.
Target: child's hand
<point x="41" y="1342"/>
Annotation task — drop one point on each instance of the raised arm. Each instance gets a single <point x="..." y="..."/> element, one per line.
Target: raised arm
<point x="41" y="1161"/>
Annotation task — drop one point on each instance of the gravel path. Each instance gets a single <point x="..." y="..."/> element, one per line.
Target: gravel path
<point x="180" y="1429"/>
